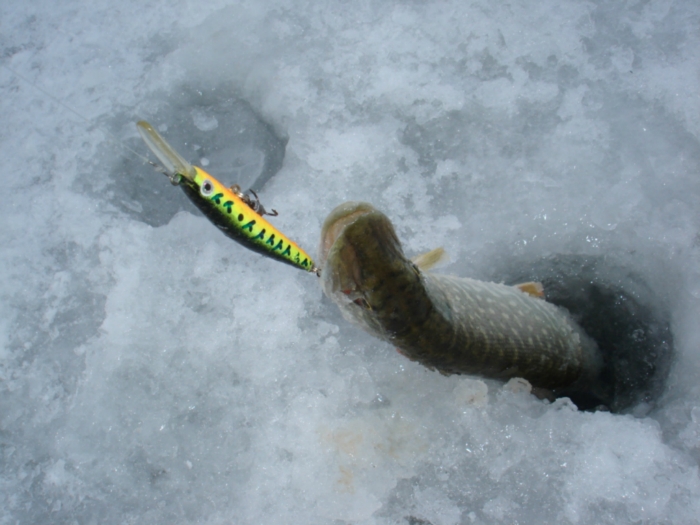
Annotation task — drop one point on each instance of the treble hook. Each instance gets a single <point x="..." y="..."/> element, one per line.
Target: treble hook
<point x="255" y="204"/>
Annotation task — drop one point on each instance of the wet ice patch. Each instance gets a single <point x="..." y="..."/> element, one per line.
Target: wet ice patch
<point x="204" y="121"/>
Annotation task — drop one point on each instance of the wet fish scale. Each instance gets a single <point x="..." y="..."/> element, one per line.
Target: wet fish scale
<point x="490" y="323"/>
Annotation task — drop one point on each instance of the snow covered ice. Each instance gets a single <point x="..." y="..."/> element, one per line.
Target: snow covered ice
<point x="152" y="371"/>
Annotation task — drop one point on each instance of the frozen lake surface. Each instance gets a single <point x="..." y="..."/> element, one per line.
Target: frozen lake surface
<point x="152" y="371"/>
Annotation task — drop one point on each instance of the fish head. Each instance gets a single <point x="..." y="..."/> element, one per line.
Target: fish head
<point x="365" y="271"/>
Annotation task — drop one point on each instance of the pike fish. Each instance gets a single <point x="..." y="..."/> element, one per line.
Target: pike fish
<point x="451" y="324"/>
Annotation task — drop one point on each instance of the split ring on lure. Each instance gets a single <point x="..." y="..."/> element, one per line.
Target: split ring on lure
<point x="233" y="212"/>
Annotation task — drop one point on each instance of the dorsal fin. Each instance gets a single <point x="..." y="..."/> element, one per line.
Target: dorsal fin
<point x="426" y="261"/>
<point x="532" y="288"/>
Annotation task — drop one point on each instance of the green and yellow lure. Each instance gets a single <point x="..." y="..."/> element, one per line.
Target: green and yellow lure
<point x="234" y="213"/>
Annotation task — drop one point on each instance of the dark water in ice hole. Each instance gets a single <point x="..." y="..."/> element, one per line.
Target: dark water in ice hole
<point x="618" y="310"/>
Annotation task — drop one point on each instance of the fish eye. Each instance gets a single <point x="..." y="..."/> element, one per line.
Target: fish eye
<point x="207" y="188"/>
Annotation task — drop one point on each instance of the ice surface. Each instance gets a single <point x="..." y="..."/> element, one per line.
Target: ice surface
<point x="152" y="371"/>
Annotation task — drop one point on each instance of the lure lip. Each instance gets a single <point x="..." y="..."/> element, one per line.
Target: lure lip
<point x="172" y="161"/>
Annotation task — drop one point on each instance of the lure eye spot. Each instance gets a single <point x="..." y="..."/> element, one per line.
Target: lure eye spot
<point x="207" y="188"/>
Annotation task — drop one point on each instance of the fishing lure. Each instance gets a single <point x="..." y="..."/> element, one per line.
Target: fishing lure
<point x="236" y="214"/>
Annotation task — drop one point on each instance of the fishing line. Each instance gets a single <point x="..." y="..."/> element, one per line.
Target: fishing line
<point x="111" y="135"/>
<point x="214" y="199"/>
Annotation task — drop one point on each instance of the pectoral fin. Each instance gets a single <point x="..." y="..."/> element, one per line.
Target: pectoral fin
<point x="426" y="261"/>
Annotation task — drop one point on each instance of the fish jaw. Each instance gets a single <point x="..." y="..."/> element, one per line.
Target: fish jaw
<point x="366" y="273"/>
<point x="335" y="223"/>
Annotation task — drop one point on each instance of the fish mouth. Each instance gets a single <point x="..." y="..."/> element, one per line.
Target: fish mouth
<point x="358" y="248"/>
<point x="336" y="223"/>
<point x="338" y="258"/>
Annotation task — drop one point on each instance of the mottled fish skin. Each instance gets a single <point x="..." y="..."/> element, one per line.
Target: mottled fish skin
<point x="452" y="324"/>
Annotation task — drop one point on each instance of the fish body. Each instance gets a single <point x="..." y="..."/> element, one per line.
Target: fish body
<point x="451" y="324"/>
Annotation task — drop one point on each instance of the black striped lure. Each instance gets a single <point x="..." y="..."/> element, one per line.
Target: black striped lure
<point x="233" y="212"/>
